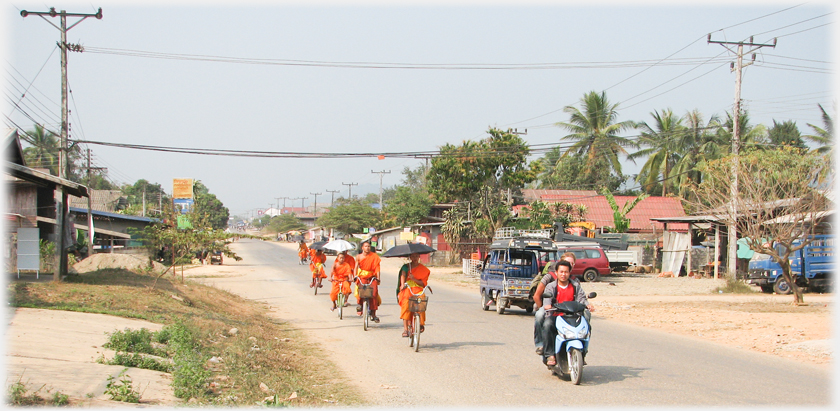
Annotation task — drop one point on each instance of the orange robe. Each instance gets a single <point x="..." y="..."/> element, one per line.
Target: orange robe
<point x="421" y="273"/>
<point x="302" y="251"/>
<point x="368" y="267"/>
<point x="317" y="265"/>
<point x="347" y="260"/>
<point x="340" y="275"/>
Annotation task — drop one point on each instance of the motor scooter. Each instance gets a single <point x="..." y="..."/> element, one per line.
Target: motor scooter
<point x="572" y="341"/>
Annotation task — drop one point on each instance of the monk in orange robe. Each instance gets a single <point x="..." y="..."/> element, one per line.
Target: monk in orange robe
<point x="303" y="250"/>
<point x="317" y="268"/>
<point x="340" y="275"/>
<point x="367" y="269"/>
<point x="347" y="259"/>
<point x="417" y="278"/>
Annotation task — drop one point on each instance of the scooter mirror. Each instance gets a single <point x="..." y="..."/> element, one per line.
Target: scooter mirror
<point x="592" y="295"/>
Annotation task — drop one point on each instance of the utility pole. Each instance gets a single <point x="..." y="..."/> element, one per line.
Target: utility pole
<point x="332" y="196"/>
<point x="61" y="204"/>
<point x="350" y="189"/>
<point x="89" y="214"/>
<point x="381" y="174"/>
<point x="278" y="203"/>
<point x="737" y="67"/>
<point x="298" y="198"/>
<point x="315" y="210"/>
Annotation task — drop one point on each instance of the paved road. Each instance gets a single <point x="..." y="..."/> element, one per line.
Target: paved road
<point x="469" y="357"/>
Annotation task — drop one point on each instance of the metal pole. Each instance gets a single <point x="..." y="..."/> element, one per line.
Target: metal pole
<point x="381" y="174"/>
<point x="315" y="210"/>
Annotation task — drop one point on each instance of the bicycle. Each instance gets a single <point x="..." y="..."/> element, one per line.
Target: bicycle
<point x="316" y="280"/>
<point x="365" y="296"/>
<point x="416" y="304"/>
<point x="340" y="301"/>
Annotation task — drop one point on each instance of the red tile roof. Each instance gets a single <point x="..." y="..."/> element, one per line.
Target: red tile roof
<point x="600" y="212"/>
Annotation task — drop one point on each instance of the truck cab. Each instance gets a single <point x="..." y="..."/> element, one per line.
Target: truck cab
<point x="810" y="267"/>
<point x="513" y="260"/>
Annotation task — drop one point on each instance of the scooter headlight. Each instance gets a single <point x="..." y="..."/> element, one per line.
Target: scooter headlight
<point x="582" y="333"/>
<point x="569" y="334"/>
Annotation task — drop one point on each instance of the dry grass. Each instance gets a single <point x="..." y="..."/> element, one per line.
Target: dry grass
<point x="262" y="351"/>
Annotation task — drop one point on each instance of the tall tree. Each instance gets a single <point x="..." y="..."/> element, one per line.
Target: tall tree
<point x="701" y="143"/>
<point x="408" y="206"/>
<point x="664" y="141"/>
<point x="785" y="133"/>
<point x="824" y="137"/>
<point x="620" y="221"/>
<point x="209" y="210"/>
<point x="43" y="150"/>
<point x="595" y="134"/>
<point x="350" y="216"/>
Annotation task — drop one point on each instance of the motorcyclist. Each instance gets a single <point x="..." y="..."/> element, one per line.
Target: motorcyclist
<point x="539" y="285"/>
<point x="562" y="290"/>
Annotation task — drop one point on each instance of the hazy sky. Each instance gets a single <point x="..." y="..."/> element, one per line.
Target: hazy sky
<point x="363" y="77"/>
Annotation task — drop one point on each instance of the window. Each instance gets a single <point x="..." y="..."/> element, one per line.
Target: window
<point x="593" y="254"/>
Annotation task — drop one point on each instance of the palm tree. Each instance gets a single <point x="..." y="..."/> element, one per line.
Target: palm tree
<point x="44" y="149"/>
<point x="824" y="136"/>
<point x="700" y="143"/>
<point x="751" y="138"/>
<point x="665" y="146"/>
<point x="595" y="133"/>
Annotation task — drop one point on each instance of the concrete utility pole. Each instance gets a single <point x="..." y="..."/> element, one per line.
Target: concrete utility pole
<point x="332" y="196"/>
<point x="381" y="174"/>
<point x="315" y="210"/>
<point x="90" y="203"/>
<point x="61" y="204"/>
<point x="299" y="198"/>
<point x="350" y="189"/>
<point x="732" y="229"/>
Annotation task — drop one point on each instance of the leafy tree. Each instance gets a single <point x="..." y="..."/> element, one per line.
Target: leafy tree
<point x="568" y="173"/>
<point x="752" y="137"/>
<point x="664" y="142"/>
<point x="135" y="193"/>
<point x="350" y="216"/>
<point x="209" y="210"/>
<point x="408" y="206"/>
<point x="785" y="133"/>
<point x="498" y="161"/>
<point x="620" y="221"/>
<point x="701" y="143"/>
<point x="540" y="213"/>
<point x="824" y="137"/>
<point x="765" y="178"/>
<point x="594" y="131"/>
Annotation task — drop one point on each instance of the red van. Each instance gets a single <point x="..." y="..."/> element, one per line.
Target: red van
<point x="590" y="262"/>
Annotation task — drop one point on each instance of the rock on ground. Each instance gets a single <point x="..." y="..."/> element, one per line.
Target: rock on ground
<point x="108" y="260"/>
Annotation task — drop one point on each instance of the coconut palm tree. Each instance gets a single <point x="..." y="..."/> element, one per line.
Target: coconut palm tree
<point x="824" y="136"/>
<point x="664" y="142"/>
<point x="594" y="131"/>
<point x="701" y="143"/>
<point x="44" y="149"/>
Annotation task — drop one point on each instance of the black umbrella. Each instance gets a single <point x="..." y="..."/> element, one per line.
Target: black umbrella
<point x="318" y="245"/>
<point x="405" y="250"/>
<point x="297" y="238"/>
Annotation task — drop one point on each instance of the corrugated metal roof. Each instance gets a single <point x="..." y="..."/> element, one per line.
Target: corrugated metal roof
<point x="600" y="212"/>
<point x="532" y="195"/>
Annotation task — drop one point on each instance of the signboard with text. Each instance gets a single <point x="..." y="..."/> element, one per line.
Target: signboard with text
<point x="182" y="188"/>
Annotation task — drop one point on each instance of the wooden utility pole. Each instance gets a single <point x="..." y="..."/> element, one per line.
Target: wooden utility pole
<point x="737" y="67"/>
<point x="61" y="203"/>
<point x="350" y="189"/>
<point x="90" y="204"/>
<point x="381" y="174"/>
<point x="315" y="210"/>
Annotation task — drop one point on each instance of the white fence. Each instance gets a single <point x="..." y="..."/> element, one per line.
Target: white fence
<point x="470" y="267"/>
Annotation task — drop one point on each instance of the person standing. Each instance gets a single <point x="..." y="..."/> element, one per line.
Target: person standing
<point x="340" y="276"/>
<point x="367" y="270"/>
<point x="416" y="278"/>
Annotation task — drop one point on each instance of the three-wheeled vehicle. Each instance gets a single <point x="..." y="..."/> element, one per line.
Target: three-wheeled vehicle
<point x="514" y="258"/>
<point x="216" y="257"/>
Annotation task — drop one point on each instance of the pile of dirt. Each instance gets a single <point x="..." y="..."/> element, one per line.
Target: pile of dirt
<point x="108" y="260"/>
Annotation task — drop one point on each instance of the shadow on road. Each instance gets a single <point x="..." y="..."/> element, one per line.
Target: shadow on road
<point x="454" y="345"/>
<point x="598" y="375"/>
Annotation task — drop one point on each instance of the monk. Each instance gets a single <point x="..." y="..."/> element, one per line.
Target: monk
<point x="367" y="270"/>
<point x="417" y="277"/>
<point x="340" y="276"/>
<point x="303" y="250"/>
<point x="347" y="259"/>
<point x="316" y="265"/>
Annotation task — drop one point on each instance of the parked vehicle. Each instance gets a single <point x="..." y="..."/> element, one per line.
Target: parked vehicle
<point x="216" y="257"/>
<point x="572" y="340"/>
<point x="591" y="262"/>
<point x="810" y="268"/>
<point x="514" y="258"/>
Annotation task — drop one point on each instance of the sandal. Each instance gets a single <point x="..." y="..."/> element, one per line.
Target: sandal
<point x="405" y="334"/>
<point x="551" y="362"/>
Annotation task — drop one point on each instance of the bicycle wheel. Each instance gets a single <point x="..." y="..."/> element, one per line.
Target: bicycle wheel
<point x="365" y="314"/>
<point x="411" y="330"/>
<point x="340" y="305"/>
<point x="314" y="281"/>
<point x="416" y="332"/>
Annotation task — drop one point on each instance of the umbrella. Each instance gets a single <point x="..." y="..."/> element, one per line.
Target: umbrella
<point x="405" y="250"/>
<point x="297" y="238"/>
<point x="318" y="245"/>
<point x="339" y="245"/>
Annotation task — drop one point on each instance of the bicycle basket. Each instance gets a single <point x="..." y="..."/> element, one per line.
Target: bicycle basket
<point x="365" y="291"/>
<point x="417" y="304"/>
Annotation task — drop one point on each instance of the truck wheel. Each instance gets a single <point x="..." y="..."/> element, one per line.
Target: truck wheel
<point x="590" y="276"/>
<point x="485" y="300"/>
<point x="781" y="287"/>
<point x="529" y="308"/>
<point x="500" y="305"/>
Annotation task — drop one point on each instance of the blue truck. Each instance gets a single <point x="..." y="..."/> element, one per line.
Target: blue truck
<point x="811" y="268"/>
<point x="514" y="258"/>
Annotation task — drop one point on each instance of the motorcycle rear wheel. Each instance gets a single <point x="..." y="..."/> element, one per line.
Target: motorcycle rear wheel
<point x="575" y="365"/>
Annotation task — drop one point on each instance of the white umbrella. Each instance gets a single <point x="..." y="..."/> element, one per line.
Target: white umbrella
<point x="339" y="245"/>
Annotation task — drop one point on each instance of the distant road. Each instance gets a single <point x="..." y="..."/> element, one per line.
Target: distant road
<point x="469" y="357"/>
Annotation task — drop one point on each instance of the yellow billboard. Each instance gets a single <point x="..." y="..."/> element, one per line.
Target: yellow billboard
<point x="182" y="188"/>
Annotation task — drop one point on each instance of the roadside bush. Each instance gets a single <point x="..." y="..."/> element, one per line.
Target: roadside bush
<point x="735" y="287"/>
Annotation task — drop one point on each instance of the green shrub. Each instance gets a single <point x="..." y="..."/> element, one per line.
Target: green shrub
<point x="734" y="286"/>
<point x="189" y="377"/>
<point x="121" y="389"/>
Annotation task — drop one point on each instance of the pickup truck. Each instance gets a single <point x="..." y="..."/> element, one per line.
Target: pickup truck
<point x="811" y="267"/>
<point x="511" y="263"/>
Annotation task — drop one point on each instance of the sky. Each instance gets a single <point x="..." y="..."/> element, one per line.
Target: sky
<point x="373" y="78"/>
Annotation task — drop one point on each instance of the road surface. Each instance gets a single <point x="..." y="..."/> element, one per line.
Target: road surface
<point x="469" y="357"/>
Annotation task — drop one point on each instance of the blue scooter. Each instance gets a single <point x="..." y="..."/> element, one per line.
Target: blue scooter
<point x="572" y="341"/>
